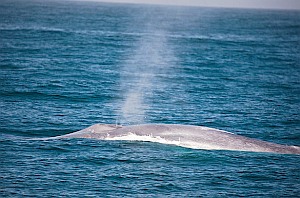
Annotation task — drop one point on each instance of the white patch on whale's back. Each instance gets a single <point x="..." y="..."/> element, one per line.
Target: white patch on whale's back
<point x="143" y="138"/>
<point x="157" y="139"/>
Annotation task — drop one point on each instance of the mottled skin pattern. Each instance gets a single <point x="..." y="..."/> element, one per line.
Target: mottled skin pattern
<point x="188" y="136"/>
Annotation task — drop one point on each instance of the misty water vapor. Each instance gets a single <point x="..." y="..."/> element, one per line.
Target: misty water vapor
<point x="140" y="76"/>
<point x="137" y="78"/>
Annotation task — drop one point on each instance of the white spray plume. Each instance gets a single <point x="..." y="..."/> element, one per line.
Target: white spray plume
<point x="139" y="75"/>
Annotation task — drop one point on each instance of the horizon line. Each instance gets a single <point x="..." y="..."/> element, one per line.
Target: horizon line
<point x="294" y="8"/>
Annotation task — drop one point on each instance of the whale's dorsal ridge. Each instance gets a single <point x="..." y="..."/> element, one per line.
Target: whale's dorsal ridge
<point x="94" y="131"/>
<point x="100" y="128"/>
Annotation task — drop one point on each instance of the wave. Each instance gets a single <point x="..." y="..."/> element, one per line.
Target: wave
<point x="32" y="28"/>
<point x="216" y="37"/>
<point x="67" y="96"/>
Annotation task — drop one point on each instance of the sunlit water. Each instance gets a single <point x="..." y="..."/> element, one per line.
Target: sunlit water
<point x="67" y="65"/>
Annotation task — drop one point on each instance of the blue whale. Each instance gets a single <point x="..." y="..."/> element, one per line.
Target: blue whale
<point x="196" y="137"/>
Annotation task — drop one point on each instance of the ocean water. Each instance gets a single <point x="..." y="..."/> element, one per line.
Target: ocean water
<point x="65" y="65"/>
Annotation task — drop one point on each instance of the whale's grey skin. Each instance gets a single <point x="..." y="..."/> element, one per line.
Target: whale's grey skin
<point x="198" y="136"/>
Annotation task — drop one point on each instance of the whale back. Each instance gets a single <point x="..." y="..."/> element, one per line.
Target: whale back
<point x="196" y="137"/>
<point x="97" y="131"/>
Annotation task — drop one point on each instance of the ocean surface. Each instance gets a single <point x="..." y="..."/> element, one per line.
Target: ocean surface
<point x="65" y="65"/>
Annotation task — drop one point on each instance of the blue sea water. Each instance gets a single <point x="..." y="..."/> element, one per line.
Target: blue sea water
<point x="65" y="65"/>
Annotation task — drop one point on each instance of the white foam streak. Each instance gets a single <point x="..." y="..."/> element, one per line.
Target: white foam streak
<point x="144" y="138"/>
<point x="161" y="140"/>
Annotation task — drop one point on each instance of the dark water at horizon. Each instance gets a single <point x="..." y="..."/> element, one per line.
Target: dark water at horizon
<point x="67" y="65"/>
